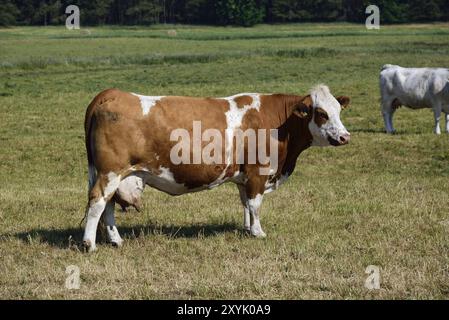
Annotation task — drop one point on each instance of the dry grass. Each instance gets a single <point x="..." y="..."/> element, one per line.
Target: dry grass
<point x="380" y="201"/>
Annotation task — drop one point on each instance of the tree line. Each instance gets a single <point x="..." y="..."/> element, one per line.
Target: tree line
<point x="219" y="12"/>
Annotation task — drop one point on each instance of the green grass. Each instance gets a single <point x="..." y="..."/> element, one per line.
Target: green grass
<point x="382" y="200"/>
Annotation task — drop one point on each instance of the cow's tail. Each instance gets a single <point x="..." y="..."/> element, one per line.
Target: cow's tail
<point x="92" y="173"/>
<point x="89" y="127"/>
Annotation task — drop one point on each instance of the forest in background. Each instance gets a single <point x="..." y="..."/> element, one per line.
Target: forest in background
<point x="220" y="12"/>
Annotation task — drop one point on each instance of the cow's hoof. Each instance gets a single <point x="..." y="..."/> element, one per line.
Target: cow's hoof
<point x="258" y="234"/>
<point x="88" y="247"/>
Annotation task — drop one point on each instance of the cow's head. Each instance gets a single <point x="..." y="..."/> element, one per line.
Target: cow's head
<point x="322" y="110"/>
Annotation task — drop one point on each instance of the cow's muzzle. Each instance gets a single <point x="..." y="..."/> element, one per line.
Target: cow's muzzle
<point x="342" y="140"/>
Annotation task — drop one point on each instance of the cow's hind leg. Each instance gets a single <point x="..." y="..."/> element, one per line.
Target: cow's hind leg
<point x="101" y="193"/>
<point x="246" y="215"/>
<point x="94" y="211"/>
<point x="437" y="116"/>
<point x="109" y="222"/>
<point x="447" y="122"/>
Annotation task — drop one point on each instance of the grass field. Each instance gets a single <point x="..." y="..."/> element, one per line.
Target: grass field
<point x="382" y="200"/>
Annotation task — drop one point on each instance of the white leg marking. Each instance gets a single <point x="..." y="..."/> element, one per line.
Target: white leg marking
<point x="109" y="219"/>
<point x="246" y="219"/>
<point x="437" y="115"/>
<point x="246" y="215"/>
<point x="254" y="209"/>
<point x="113" y="183"/>
<point x="93" y="217"/>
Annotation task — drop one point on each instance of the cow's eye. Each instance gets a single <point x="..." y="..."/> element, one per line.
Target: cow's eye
<point x="322" y="114"/>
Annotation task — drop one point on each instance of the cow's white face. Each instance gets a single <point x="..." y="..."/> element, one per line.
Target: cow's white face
<point x="325" y="125"/>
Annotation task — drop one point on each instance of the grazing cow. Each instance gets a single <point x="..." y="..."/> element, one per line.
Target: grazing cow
<point x="415" y="88"/>
<point x="134" y="140"/>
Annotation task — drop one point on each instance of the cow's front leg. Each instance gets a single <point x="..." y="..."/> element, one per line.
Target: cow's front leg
<point x="246" y="215"/>
<point x="447" y="122"/>
<point x="254" y="210"/>
<point x="388" y="121"/>
<point x="388" y="109"/>
<point x="437" y="116"/>
<point x="255" y="188"/>
<point x="111" y="229"/>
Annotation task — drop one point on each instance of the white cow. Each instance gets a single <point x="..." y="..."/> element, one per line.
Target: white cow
<point x="415" y="88"/>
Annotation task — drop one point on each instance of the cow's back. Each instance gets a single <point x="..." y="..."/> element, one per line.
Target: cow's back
<point x="414" y="87"/>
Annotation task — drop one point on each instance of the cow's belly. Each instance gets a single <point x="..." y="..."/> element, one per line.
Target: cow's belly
<point x="408" y="100"/>
<point x="131" y="188"/>
<point x="413" y="100"/>
<point x="417" y="91"/>
<point x="165" y="182"/>
<point x="129" y="192"/>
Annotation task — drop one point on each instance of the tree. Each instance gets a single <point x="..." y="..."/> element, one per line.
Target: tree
<point x="393" y="11"/>
<point x="331" y="10"/>
<point x="55" y="12"/>
<point x="200" y="11"/>
<point x="95" y="12"/>
<point x="239" y="12"/>
<point x="223" y="12"/>
<point x="145" y="12"/>
<point x="444" y="10"/>
<point x="292" y="10"/>
<point x="424" y="10"/>
<point x="8" y="13"/>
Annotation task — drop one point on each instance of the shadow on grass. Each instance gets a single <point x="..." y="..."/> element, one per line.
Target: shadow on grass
<point x="71" y="237"/>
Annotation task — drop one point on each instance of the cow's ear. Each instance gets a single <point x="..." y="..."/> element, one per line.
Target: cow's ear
<point x="344" y="101"/>
<point x="302" y="110"/>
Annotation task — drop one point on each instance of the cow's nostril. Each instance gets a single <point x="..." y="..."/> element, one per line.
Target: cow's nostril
<point x="344" y="139"/>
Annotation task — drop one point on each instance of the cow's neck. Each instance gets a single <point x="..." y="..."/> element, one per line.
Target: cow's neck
<point x="292" y="130"/>
<point x="280" y="109"/>
<point x="298" y="141"/>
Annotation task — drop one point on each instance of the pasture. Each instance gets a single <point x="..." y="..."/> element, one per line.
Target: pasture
<point x="382" y="200"/>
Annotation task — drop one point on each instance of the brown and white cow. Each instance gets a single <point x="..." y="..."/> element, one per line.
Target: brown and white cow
<point x="131" y="143"/>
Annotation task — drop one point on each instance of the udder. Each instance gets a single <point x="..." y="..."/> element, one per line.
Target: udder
<point x="129" y="192"/>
